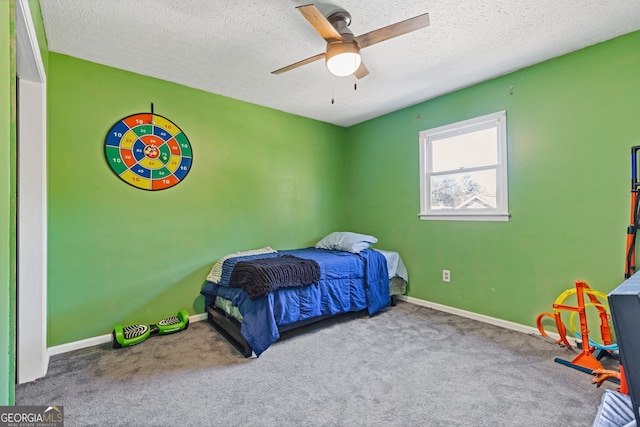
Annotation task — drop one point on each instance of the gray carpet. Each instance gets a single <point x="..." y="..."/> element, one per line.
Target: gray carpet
<point x="406" y="366"/>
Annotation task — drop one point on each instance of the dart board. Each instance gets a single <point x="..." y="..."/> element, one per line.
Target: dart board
<point x="148" y="151"/>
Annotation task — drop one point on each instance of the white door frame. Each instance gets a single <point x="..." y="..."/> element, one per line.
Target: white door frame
<point x="32" y="359"/>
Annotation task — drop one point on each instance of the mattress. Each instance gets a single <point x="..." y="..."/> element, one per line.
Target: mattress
<point x="398" y="279"/>
<point x="348" y="283"/>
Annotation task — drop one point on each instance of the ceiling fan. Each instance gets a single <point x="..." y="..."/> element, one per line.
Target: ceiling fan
<point x="342" y="55"/>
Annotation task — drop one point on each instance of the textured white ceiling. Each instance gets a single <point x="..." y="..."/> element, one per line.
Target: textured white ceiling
<point x="230" y="47"/>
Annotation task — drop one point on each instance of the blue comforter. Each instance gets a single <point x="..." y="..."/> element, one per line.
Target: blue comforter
<point x="348" y="282"/>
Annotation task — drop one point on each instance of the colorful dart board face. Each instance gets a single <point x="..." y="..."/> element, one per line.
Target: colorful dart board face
<point x="148" y="151"/>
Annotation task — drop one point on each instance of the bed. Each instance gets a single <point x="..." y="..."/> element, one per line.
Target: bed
<point x="337" y="281"/>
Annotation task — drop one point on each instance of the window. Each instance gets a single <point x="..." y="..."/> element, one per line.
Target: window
<point x="463" y="170"/>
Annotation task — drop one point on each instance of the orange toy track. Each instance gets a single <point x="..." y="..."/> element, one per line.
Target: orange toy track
<point x="562" y="331"/>
<point x="585" y="361"/>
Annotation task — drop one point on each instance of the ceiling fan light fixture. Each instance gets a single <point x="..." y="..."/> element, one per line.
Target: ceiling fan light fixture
<point x="343" y="59"/>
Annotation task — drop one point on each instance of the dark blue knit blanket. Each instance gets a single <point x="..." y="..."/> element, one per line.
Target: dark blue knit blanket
<point x="260" y="276"/>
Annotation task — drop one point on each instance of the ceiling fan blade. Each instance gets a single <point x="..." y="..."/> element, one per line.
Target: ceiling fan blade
<point x="299" y="64"/>
<point x="393" y="30"/>
<point x="362" y="71"/>
<point x="319" y="23"/>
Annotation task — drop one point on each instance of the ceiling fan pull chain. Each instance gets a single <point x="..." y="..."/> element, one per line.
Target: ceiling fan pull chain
<point x="355" y="80"/>
<point x="332" y="97"/>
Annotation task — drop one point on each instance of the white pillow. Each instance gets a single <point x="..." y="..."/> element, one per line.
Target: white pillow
<point x="346" y="241"/>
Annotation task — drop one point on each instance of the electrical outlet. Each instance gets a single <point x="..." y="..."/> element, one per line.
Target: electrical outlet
<point x="446" y="276"/>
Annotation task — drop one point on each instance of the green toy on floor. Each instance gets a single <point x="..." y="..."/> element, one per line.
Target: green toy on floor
<point x="125" y="336"/>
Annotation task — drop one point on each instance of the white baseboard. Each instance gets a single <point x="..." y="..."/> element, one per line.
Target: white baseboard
<point x="77" y="345"/>
<point x="482" y="318"/>
<point x="197" y="317"/>
<point x="102" y="339"/>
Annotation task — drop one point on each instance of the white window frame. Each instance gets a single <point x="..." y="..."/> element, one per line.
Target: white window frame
<point x="501" y="212"/>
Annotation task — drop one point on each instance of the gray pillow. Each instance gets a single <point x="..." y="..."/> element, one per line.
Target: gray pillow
<point x="346" y="241"/>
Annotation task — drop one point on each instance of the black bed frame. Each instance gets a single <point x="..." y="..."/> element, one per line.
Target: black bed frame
<point x="229" y="327"/>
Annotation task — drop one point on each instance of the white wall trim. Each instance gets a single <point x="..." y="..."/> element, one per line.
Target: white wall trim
<point x="32" y="359"/>
<point x="482" y="318"/>
<point x="103" y="339"/>
<point x="77" y="345"/>
<point x="197" y="317"/>
<point x="29" y="62"/>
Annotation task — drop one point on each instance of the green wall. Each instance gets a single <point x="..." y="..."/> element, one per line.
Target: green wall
<point x="7" y="201"/>
<point x="571" y="122"/>
<point x="121" y="255"/>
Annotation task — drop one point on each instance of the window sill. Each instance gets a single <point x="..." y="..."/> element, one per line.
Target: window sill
<point x="473" y="217"/>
